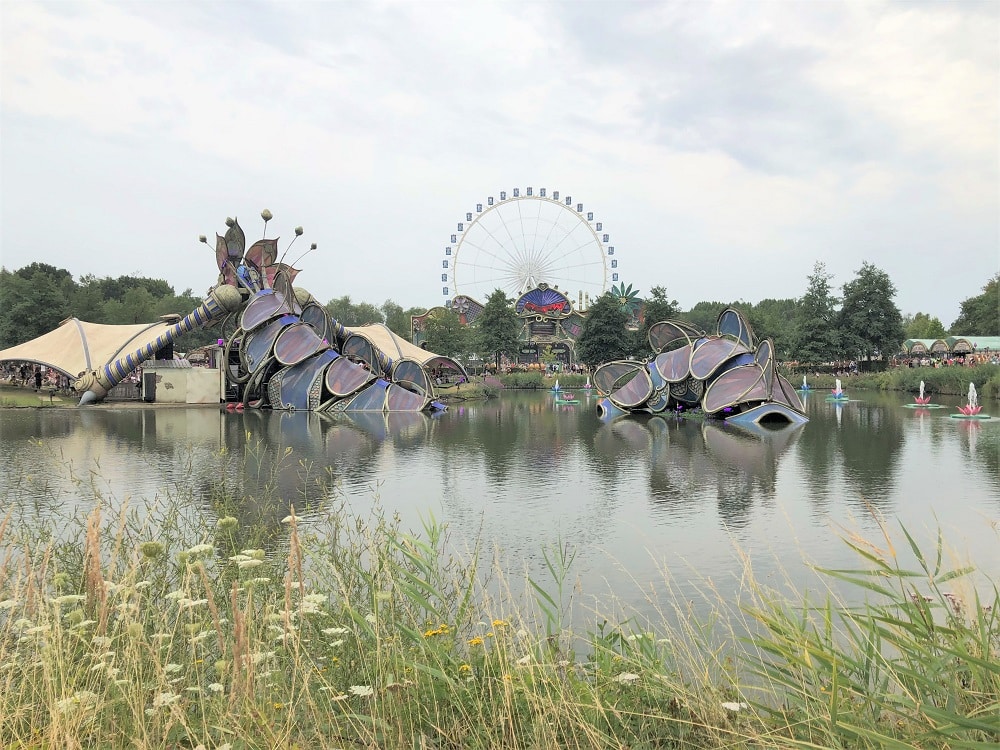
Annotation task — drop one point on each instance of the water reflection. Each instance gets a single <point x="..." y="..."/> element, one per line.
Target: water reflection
<point x="688" y="459"/>
<point x="522" y="475"/>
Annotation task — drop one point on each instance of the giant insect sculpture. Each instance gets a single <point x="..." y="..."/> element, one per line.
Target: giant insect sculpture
<point x="281" y="347"/>
<point x="729" y="376"/>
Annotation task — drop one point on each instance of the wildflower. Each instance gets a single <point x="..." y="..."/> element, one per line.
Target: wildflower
<point x="171" y="668"/>
<point x="501" y="623"/>
<point x="465" y="668"/>
<point x="266" y="215"/>
<point x="626" y="678"/>
<point x="202" y="238"/>
<point x="75" y="618"/>
<point x="215" y="687"/>
<point x="477" y="641"/>
<point x="335" y="631"/>
<point x="101" y="641"/>
<point x="298" y="231"/>
<point x="164" y="699"/>
<point x="68" y="599"/>
<point x="8" y="604"/>
<point x="151" y="550"/>
<point x="79" y="699"/>
<point x="226" y="523"/>
<point x="362" y="690"/>
<point x="261" y="656"/>
<point x="252" y="563"/>
<point x="371" y="619"/>
<point x="60" y="580"/>
<point x="190" y="603"/>
<point x="731" y="706"/>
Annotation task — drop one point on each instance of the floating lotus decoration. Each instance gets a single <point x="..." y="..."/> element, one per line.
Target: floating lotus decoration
<point x="922" y="400"/>
<point x="972" y="408"/>
<point x="838" y="393"/>
<point x="728" y="376"/>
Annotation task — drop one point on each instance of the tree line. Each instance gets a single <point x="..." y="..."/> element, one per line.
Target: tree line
<point x="821" y="325"/>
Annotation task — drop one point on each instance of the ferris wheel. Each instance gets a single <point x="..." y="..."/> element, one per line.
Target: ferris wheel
<point x="525" y="238"/>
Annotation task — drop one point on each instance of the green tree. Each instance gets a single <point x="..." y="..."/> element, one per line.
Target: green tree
<point x="604" y="336"/>
<point x="349" y="313"/>
<point x="117" y="288"/>
<point x="496" y="328"/>
<point x="87" y="302"/>
<point x="655" y="308"/>
<point x="923" y="326"/>
<point x="33" y="301"/>
<point x="815" y="337"/>
<point x="980" y="315"/>
<point x="445" y="334"/>
<point x="705" y="315"/>
<point x="869" y="321"/>
<point x="775" y="319"/>
<point x="397" y="319"/>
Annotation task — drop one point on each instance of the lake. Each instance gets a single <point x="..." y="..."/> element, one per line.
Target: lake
<point x="651" y="507"/>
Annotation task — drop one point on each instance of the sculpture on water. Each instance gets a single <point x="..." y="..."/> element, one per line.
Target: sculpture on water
<point x="281" y="347"/>
<point x="728" y="376"/>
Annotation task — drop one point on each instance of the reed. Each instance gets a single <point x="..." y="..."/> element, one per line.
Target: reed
<point x="164" y="629"/>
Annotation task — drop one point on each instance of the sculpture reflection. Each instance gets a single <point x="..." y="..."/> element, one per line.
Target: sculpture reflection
<point x="692" y="461"/>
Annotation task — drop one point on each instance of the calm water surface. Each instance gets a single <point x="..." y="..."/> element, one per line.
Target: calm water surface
<point x="640" y="500"/>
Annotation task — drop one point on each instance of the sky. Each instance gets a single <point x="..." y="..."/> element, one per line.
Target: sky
<point x="726" y="147"/>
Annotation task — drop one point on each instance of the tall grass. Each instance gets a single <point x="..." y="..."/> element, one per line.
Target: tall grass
<point x="163" y="630"/>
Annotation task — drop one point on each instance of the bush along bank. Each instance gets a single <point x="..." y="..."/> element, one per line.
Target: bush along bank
<point x="952" y="381"/>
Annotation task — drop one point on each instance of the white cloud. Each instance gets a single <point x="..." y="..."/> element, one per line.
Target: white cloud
<point x="746" y="136"/>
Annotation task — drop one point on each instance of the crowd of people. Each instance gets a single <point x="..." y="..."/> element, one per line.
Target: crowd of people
<point x="31" y="375"/>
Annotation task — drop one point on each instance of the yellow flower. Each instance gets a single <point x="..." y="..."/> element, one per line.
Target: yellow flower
<point x="477" y="641"/>
<point x="501" y="623"/>
<point x="465" y="668"/>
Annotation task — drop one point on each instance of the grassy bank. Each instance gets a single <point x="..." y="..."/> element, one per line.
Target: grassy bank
<point x="151" y="628"/>
<point x="952" y="381"/>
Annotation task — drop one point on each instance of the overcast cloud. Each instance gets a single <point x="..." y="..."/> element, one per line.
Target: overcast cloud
<point x="726" y="147"/>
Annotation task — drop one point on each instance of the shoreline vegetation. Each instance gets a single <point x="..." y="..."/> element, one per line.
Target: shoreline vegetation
<point x="153" y="627"/>
<point x="952" y="381"/>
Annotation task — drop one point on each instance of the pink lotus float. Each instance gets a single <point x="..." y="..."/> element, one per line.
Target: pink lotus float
<point x="972" y="408"/>
<point x="922" y="400"/>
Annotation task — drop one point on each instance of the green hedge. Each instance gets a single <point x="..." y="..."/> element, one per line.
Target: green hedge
<point x="945" y="380"/>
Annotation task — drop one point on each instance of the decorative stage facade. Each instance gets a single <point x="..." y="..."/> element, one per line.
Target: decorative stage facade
<point x="282" y="348"/>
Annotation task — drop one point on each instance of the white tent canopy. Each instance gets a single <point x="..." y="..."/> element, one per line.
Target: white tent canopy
<point x="76" y="346"/>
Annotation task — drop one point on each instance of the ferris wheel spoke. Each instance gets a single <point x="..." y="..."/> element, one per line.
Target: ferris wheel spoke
<point x="508" y="261"/>
<point x="521" y="242"/>
<point x="559" y="250"/>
